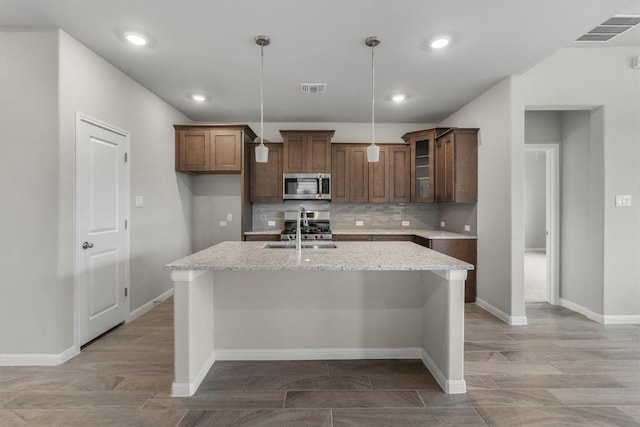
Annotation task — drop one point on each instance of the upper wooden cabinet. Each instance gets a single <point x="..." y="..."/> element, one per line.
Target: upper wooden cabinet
<point x="356" y="180"/>
<point x="307" y="151"/>
<point x="266" y="178"/>
<point x="211" y="148"/>
<point x="422" y="158"/>
<point x="456" y="161"/>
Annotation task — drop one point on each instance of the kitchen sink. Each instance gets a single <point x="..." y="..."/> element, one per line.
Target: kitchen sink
<point x="315" y="245"/>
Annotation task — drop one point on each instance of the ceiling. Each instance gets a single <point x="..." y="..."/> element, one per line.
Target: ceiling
<point x="208" y="47"/>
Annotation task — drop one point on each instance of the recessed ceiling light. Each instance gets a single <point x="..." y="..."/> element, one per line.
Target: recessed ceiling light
<point x="136" y="38"/>
<point x="440" y="42"/>
<point x="198" y="97"/>
<point x="399" y="97"/>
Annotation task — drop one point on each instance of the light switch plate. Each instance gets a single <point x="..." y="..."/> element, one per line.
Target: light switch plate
<point x="229" y="217"/>
<point x="623" y="200"/>
<point x="441" y="223"/>
<point x="139" y="201"/>
<point x="405" y="223"/>
<point x="359" y="223"/>
<point x="223" y="223"/>
<point x="467" y="227"/>
<point x="271" y="223"/>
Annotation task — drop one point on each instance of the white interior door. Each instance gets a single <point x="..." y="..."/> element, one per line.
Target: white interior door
<point x="102" y="193"/>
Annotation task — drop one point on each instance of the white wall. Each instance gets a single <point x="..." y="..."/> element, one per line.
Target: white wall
<point x="491" y="112"/>
<point x="48" y="78"/>
<point x="215" y="196"/>
<point x="603" y="81"/>
<point x="161" y="231"/>
<point x="33" y="284"/>
<point x="581" y="220"/>
<point x="535" y="199"/>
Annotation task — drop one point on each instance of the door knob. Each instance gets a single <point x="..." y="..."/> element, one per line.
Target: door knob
<point x="87" y="245"/>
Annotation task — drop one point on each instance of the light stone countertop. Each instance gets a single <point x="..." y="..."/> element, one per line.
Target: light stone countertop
<point x="354" y="256"/>
<point x="427" y="234"/>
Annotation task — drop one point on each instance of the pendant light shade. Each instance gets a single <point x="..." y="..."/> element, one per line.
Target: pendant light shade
<point x="373" y="151"/>
<point x="262" y="151"/>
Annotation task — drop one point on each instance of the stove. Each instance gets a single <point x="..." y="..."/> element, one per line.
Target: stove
<point x="318" y="227"/>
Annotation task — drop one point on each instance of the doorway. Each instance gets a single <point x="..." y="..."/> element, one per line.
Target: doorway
<point x="541" y="223"/>
<point x="102" y="243"/>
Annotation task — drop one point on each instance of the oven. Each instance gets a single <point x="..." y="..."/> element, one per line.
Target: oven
<point x="316" y="227"/>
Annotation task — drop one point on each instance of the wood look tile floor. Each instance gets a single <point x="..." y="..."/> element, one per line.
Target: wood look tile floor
<point x="562" y="369"/>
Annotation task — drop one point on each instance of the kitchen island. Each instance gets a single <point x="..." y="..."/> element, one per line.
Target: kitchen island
<point x="242" y="301"/>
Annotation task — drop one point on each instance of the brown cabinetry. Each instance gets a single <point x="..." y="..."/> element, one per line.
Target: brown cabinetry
<point x="306" y="151"/>
<point x="266" y="178"/>
<point x="462" y="249"/>
<point x="356" y="180"/>
<point x="456" y="164"/>
<point x="211" y="148"/>
<point x="422" y="158"/>
<point x="349" y="173"/>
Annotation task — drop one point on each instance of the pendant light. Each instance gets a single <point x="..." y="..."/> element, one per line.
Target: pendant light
<point x="373" y="151"/>
<point x="262" y="151"/>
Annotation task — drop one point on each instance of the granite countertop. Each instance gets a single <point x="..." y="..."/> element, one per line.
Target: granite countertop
<point x="356" y="256"/>
<point x="427" y="234"/>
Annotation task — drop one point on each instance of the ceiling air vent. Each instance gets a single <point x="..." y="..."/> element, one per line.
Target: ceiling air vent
<point x="313" y="87"/>
<point x="610" y="28"/>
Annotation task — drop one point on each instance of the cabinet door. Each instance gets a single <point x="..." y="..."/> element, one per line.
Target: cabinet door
<point x="194" y="150"/>
<point x="340" y="173"/>
<point x="399" y="176"/>
<point x="422" y="167"/>
<point x="318" y="153"/>
<point x="358" y="175"/>
<point x="226" y="151"/>
<point x="266" y="178"/>
<point x="445" y="168"/>
<point x="294" y="153"/>
<point x="379" y="178"/>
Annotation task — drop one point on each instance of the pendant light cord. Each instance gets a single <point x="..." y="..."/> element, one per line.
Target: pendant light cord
<point x="373" y="99"/>
<point x="261" y="95"/>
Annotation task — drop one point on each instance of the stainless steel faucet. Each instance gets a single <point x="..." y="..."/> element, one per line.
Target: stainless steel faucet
<point x="302" y="213"/>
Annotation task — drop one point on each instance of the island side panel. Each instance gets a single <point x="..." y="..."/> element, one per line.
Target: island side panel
<point x="317" y="314"/>
<point x="193" y="329"/>
<point x="443" y="328"/>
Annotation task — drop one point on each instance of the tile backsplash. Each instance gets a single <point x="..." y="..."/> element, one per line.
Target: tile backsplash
<point x="374" y="215"/>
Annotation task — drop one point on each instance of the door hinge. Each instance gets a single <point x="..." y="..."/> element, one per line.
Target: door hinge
<point x="126" y="157"/>
<point x="126" y="224"/>
<point x="126" y="292"/>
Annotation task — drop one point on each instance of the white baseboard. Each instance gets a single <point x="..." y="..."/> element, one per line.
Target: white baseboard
<point x="448" y="386"/>
<point x="188" y="389"/>
<point x="511" y="320"/>
<point x="148" y="306"/>
<point x="630" y="319"/>
<point x="38" y="359"/>
<point x="320" y="354"/>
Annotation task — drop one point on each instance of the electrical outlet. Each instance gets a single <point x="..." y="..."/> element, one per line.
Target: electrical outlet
<point x="271" y="223"/>
<point x="223" y="223"/>
<point x="623" y="200"/>
<point x="229" y="217"/>
<point x="359" y="223"/>
<point x="467" y="227"/>
<point x="405" y="223"/>
<point x="441" y="223"/>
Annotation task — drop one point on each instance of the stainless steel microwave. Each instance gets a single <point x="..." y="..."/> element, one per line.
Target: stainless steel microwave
<point x="306" y="186"/>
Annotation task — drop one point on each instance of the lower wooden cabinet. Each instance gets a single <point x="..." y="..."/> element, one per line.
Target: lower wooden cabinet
<point x="262" y="237"/>
<point x="464" y="250"/>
